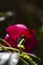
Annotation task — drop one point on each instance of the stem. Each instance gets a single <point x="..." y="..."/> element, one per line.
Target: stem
<point x="2" y="47"/>
<point x="32" y="62"/>
<point x="5" y="42"/>
<point x="21" y="45"/>
<point x="21" y="42"/>
<point x="24" y="61"/>
<point x="8" y="48"/>
<point x="13" y="49"/>
<point x="28" y="58"/>
<point x="33" y="55"/>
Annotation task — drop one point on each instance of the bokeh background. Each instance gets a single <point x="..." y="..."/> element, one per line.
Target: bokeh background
<point x="28" y="12"/>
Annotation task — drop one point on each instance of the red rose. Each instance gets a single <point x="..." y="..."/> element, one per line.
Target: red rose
<point x="15" y="31"/>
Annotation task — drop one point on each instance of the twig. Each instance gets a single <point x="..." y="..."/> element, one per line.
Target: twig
<point x="5" y="42"/>
<point x="24" y="61"/>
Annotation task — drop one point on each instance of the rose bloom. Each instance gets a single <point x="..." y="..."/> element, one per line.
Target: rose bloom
<point x="14" y="32"/>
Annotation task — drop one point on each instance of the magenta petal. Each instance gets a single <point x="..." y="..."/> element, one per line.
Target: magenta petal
<point x="15" y="31"/>
<point x="12" y="42"/>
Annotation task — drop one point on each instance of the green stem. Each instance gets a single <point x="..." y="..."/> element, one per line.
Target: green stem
<point x="24" y="61"/>
<point x="21" y="42"/>
<point x="8" y="48"/>
<point x="32" y="62"/>
<point x="28" y="58"/>
<point x="21" y="45"/>
<point x="2" y="48"/>
<point x="5" y="42"/>
<point x="31" y="55"/>
<point x="13" y="49"/>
